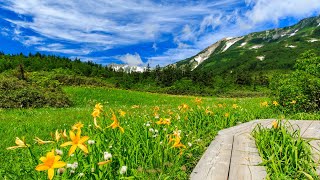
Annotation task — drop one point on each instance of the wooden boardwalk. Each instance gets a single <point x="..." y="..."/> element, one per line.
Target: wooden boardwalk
<point x="233" y="154"/>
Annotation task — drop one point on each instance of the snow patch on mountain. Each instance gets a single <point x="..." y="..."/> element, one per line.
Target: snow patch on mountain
<point x="290" y="46"/>
<point x="126" y="68"/>
<point x="261" y="58"/>
<point x="230" y="42"/>
<point x="313" y="40"/>
<point x="257" y="46"/>
<point x="243" y="44"/>
<point x="294" y="33"/>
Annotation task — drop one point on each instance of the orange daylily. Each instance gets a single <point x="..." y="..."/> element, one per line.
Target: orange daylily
<point x="40" y="141"/>
<point x="122" y="113"/>
<point x="104" y="162"/>
<point x="235" y="106"/>
<point x="198" y="101"/>
<point x="76" y="141"/>
<point x="50" y="162"/>
<point x="275" y="103"/>
<point x="77" y="126"/>
<point x="164" y="121"/>
<point x="115" y="123"/>
<point x="275" y="124"/>
<point x="20" y="144"/>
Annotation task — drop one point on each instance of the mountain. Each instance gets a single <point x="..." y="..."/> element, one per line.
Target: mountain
<point x="275" y="49"/>
<point x="126" y="68"/>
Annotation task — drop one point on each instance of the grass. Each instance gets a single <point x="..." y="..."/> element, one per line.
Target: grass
<point x="284" y="152"/>
<point x="144" y="150"/>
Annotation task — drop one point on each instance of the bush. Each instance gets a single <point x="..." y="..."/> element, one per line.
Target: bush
<point x="300" y="90"/>
<point x="15" y="93"/>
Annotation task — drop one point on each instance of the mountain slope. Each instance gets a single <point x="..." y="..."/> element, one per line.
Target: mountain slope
<point x="261" y="51"/>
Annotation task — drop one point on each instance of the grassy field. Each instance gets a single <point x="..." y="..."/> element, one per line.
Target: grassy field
<point x="149" y="150"/>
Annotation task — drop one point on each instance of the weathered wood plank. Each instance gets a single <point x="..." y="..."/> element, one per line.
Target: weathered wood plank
<point x="245" y="159"/>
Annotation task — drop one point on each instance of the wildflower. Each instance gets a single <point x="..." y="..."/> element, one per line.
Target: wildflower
<point x="81" y="174"/>
<point x="164" y="129"/>
<point x="177" y="132"/>
<point x="151" y="130"/>
<point x="107" y="156"/>
<point x="115" y="123"/>
<point x="64" y="134"/>
<point x="75" y="165"/>
<point x="293" y="102"/>
<point x="40" y="141"/>
<point x="72" y="172"/>
<point x="208" y="112"/>
<point x="59" y="152"/>
<point x="164" y="121"/>
<point x="275" y="124"/>
<point x="264" y="104"/>
<point x="50" y="162"/>
<point x="155" y="135"/>
<point x="95" y="123"/>
<point x="198" y="101"/>
<point x="275" y="103"/>
<point x="189" y="144"/>
<point x="104" y="162"/>
<point x="96" y="113"/>
<point x="156" y="108"/>
<point x="123" y="169"/>
<point x="122" y="113"/>
<point x="20" y="144"/>
<point x="76" y="141"/>
<point x="57" y="135"/>
<point x="147" y="124"/>
<point x="77" y="126"/>
<point x="235" y="106"/>
<point x="220" y="105"/>
<point x="135" y="106"/>
<point x="177" y="142"/>
<point x="91" y="142"/>
<point x="98" y="107"/>
<point x="69" y="165"/>
<point x="226" y="115"/>
<point x="156" y="131"/>
<point x="183" y="107"/>
<point x="156" y="115"/>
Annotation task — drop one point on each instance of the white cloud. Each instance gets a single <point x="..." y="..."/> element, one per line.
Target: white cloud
<point x="274" y="10"/>
<point x="131" y="59"/>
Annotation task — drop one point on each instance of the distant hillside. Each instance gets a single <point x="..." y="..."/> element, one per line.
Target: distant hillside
<point x="275" y="49"/>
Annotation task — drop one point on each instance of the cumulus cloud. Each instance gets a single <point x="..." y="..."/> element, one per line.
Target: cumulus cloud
<point x="131" y="59"/>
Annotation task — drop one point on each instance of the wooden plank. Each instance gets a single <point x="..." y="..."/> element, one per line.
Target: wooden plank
<point x="245" y="159"/>
<point x="214" y="164"/>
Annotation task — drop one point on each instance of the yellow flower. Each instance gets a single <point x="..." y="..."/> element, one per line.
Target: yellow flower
<point x="40" y="141"/>
<point x="226" y="115"/>
<point x="57" y="135"/>
<point x="50" y="162"/>
<point x="198" y="101"/>
<point x="183" y="107"/>
<point x="122" y="113"/>
<point x="96" y="113"/>
<point x="177" y="142"/>
<point x="64" y="134"/>
<point x="264" y="104"/>
<point x="156" y="108"/>
<point x="164" y="121"/>
<point x="115" y="123"/>
<point x="98" y="107"/>
<point x="235" y="106"/>
<point x="275" y="103"/>
<point x="76" y="141"/>
<point x="135" y="106"/>
<point x="275" y="124"/>
<point x="104" y="162"/>
<point x="220" y="105"/>
<point x="77" y="126"/>
<point x="293" y="102"/>
<point x="20" y="144"/>
<point x="208" y="112"/>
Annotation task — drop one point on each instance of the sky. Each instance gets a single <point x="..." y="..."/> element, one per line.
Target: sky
<point x="138" y="32"/>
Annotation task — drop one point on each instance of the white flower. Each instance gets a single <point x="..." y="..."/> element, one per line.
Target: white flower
<point x="123" y="169"/>
<point x="110" y="146"/>
<point x="81" y="174"/>
<point x="164" y="129"/>
<point x="151" y="130"/>
<point x="72" y="155"/>
<point x="59" y="152"/>
<point x="91" y="142"/>
<point x="69" y="165"/>
<point x="107" y="156"/>
<point x="156" y="131"/>
<point x="189" y="144"/>
<point x="155" y="135"/>
<point x="75" y="165"/>
<point x="147" y="124"/>
<point x="60" y="171"/>
<point x="72" y="172"/>
<point x="161" y="142"/>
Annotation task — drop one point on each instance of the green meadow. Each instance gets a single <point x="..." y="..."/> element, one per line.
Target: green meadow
<point x="164" y="135"/>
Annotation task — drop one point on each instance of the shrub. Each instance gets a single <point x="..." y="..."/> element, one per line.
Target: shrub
<point x="15" y="93"/>
<point x="300" y="90"/>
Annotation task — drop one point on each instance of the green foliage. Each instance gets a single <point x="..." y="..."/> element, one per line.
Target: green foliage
<point x="285" y="154"/>
<point x="15" y="93"/>
<point x="300" y="90"/>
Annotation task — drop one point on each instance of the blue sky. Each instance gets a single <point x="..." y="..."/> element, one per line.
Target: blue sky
<point x="137" y="32"/>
